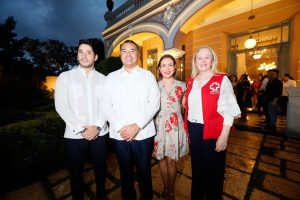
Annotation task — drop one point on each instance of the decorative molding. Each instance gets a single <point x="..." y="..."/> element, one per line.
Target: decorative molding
<point x="170" y="13"/>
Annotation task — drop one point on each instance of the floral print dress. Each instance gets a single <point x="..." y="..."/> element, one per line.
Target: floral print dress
<point x="171" y="139"/>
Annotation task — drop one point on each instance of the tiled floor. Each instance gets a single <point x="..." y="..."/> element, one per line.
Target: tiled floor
<point x="260" y="165"/>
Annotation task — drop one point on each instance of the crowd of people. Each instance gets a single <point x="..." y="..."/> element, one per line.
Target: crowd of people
<point x="145" y="119"/>
<point x="267" y="94"/>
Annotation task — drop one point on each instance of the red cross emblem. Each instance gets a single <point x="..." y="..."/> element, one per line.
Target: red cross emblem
<point x="214" y="87"/>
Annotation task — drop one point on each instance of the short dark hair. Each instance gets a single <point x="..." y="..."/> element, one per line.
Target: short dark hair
<point x="130" y="42"/>
<point x="245" y="76"/>
<point x="89" y="42"/>
<point x="235" y="76"/>
<point x="275" y="70"/>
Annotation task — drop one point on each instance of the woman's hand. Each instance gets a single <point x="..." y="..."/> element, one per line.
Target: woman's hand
<point x="221" y="143"/>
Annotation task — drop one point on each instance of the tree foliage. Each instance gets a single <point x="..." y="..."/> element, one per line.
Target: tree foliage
<point x="52" y="56"/>
<point x="25" y="63"/>
<point x="109" y="65"/>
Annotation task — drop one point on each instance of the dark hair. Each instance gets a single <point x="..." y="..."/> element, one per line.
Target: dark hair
<point x="233" y="75"/>
<point x="89" y="42"/>
<point x="245" y="76"/>
<point x="287" y="75"/>
<point x="166" y="56"/>
<point x="274" y="70"/>
<point x="130" y="42"/>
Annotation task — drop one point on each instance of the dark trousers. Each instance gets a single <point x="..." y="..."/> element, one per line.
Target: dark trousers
<point x="272" y="115"/>
<point x="283" y="104"/>
<point x="208" y="166"/>
<point x="77" y="152"/>
<point x="137" y="152"/>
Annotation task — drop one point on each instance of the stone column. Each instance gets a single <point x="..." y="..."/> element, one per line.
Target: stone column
<point x="293" y="113"/>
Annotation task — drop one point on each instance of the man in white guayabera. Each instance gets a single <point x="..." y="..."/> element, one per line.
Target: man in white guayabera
<point x="131" y="100"/>
<point x="78" y="100"/>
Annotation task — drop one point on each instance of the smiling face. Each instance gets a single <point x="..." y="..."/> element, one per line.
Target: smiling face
<point x="86" y="56"/>
<point x="167" y="67"/>
<point x="204" y="60"/>
<point x="129" y="55"/>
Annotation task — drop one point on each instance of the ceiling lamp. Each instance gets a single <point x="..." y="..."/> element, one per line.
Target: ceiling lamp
<point x="176" y="53"/>
<point x="250" y="42"/>
<point x="149" y="60"/>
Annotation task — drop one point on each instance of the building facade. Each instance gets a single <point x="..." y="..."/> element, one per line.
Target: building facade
<point x="179" y="27"/>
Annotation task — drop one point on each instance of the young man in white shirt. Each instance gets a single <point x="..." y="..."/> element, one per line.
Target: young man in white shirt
<point x="287" y="82"/>
<point x="78" y="100"/>
<point x="131" y="100"/>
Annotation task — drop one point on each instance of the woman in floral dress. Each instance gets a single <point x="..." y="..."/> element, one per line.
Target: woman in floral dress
<point x="171" y="141"/>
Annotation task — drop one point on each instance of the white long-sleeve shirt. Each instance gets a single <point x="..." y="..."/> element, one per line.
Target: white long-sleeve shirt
<point x="227" y="105"/>
<point x="288" y="83"/>
<point x="78" y="101"/>
<point x="131" y="98"/>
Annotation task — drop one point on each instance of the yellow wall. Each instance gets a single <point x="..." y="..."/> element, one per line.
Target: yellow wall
<point x="215" y="35"/>
<point x="152" y="43"/>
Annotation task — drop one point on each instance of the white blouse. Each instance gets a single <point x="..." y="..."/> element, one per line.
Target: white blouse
<point x="227" y="104"/>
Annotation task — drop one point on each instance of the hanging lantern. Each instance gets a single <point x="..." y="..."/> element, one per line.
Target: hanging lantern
<point x="250" y="43"/>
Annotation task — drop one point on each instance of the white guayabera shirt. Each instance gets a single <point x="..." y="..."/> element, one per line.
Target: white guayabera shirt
<point x="131" y="98"/>
<point x="78" y="100"/>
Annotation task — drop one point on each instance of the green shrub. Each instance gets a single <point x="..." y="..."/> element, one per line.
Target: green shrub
<point x="31" y="149"/>
<point x="13" y="116"/>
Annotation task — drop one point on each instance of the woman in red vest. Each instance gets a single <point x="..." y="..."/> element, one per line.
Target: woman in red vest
<point x="210" y="108"/>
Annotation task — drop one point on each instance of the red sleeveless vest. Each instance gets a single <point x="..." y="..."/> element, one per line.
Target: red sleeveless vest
<point x="213" y="121"/>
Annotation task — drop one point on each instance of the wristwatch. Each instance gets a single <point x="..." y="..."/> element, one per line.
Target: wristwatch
<point x="81" y="131"/>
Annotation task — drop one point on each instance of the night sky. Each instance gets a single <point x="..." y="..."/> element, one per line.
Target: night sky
<point x="64" y="20"/>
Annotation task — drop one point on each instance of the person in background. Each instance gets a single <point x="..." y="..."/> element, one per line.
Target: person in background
<point x="78" y="101"/>
<point x="233" y="79"/>
<point x="271" y="98"/>
<point x="287" y="82"/>
<point x="244" y="96"/>
<point x="261" y="91"/>
<point x="256" y="85"/>
<point x="265" y="80"/>
<point x="131" y="100"/>
<point x="210" y="106"/>
<point x="171" y="141"/>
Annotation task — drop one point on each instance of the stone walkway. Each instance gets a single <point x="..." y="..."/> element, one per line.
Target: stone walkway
<point x="259" y="166"/>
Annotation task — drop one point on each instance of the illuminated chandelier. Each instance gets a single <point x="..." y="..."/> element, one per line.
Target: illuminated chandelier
<point x="250" y="42"/>
<point x="267" y="66"/>
<point x="176" y="53"/>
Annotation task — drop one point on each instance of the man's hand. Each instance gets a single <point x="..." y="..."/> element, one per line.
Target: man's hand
<point x="129" y="132"/>
<point x="90" y="133"/>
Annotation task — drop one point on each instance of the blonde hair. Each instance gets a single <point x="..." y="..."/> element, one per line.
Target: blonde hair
<point x="214" y="69"/>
